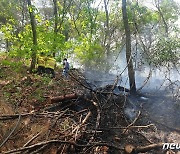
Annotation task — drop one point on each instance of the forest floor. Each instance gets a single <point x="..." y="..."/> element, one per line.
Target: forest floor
<point x="92" y="122"/>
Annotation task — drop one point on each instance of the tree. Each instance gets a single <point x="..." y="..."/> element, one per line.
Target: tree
<point x="55" y="23"/>
<point x="33" y="26"/>
<point x="131" y="73"/>
<point x="10" y="16"/>
<point x="107" y="32"/>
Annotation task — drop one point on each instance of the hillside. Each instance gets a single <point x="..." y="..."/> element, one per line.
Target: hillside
<point x="43" y="115"/>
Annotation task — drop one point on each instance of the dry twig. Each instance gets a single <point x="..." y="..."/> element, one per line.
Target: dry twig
<point x="40" y="144"/>
<point x="11" y="131"/>
<point x="132" y="122"/>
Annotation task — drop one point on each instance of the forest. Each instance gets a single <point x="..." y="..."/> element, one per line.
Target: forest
<point x="90" y="76"/>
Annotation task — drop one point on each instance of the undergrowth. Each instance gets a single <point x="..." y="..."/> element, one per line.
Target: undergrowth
<point x="25" y="90"/>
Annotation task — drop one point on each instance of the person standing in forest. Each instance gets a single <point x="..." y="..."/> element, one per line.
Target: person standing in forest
<point x="65" y="68"/>
<point x="41" y="63"/>
<point x="50" y="66"/>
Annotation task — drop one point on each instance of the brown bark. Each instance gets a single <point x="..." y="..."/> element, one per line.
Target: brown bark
<point x="130" y="149"/>
<point x="55" y="23"/>
<point x="148" y="147"/>
<point x="40" y="144"/>
<point x="62" y="98"/>
<point x="131" y="73"/>
<point x="7" y="45"/>
<point x="55" y="16"/>
<point x="33" y="27"/>
<point x="107" y="32"/>
<point x="90" y="18"/>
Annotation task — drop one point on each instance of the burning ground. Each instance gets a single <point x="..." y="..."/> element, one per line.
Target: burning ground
<point x="43" y="115"/>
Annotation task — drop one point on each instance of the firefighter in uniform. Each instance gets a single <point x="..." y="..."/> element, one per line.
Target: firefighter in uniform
<point x="41" y="63"/>
<point x="50" y="65"/>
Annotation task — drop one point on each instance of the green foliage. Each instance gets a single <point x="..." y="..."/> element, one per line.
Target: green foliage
<point x="90" y="53"/>
<point x="46" y="80"/>
<point x="48" y="41"/>
<point x="15" y="65"/>
<point x="38" y="95"/>
<point x="141" y="15"/>
<point x="9" y="11"/>
<point x="166" y="51"/>
<point x="82" y="29"/>
<point x="170" y="10"/>
<point x="7" y="95"/>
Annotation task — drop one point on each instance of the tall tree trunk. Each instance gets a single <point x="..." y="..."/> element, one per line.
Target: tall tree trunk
<point x="33" y="26"/>
<point x="107" y="34"/>
<point x="55" y="25"/>
<point x="7" y="45"/>
<point x="162" y="16"/>
<point x="131" y="73"/>
<point x="55" y="16"/>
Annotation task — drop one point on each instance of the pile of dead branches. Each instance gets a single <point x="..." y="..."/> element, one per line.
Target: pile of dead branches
<point x="76" y="123"/>
<point x="61" y="131"/>
<point x="90" y="130"/>
<point x="62" y="128"/>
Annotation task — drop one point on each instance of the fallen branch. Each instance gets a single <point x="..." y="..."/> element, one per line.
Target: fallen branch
<point x="98" y="112"/>
<point x="98" y="115"/>
<point x="81" y="126"/>
<point x="132" y="122"/>
<point x="15" y="116"/>
<point x="62" y="98"/>
<point x="130" y="149"/>
<point x="11" y="132"/>
<point x="146" y="126"/>
<point x="148" y="147"/>
<point x="35" y="146"/>
<point x="53" y="125"/>
<point x="40" y="149"/>
<point x="33" y="138"/>
<point x="83" y="122"/>
<point x="24" y="115"/>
